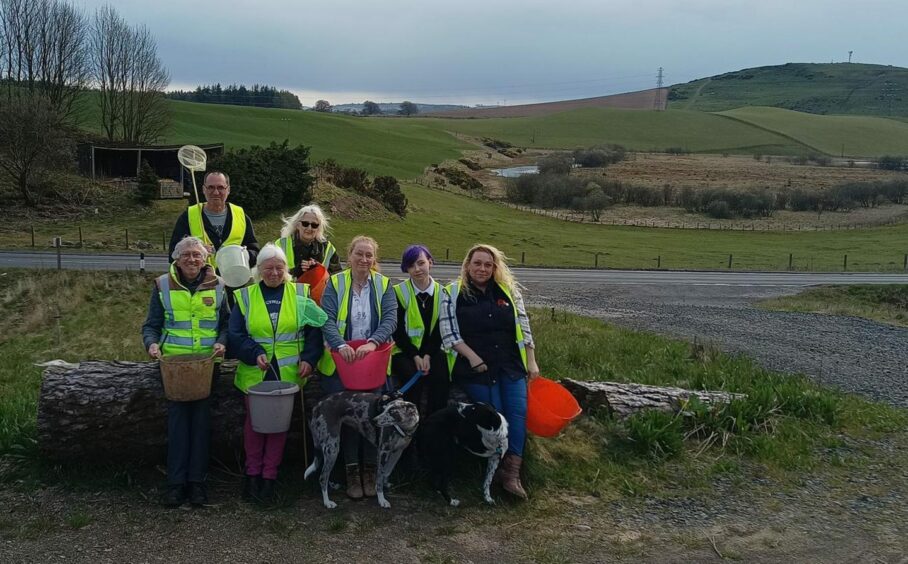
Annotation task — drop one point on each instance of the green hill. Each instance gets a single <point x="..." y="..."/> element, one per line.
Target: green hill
<point x="825" y="88"/>
<point x="859" y="136"/>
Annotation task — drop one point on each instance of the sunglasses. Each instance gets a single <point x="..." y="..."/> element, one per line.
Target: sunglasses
<point x="309" y="224"/>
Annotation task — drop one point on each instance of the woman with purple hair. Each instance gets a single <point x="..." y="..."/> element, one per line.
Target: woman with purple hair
<point x="417" y="337"/>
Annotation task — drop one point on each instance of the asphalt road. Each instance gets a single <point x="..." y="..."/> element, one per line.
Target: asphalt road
<point x="158" y="263"/>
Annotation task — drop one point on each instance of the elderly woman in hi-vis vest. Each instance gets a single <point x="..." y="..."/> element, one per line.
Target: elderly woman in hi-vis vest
<point x="187" y="314"/>
<point x="266" y="338"/>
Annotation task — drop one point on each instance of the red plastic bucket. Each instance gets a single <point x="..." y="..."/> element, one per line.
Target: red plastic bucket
<point x="317" y="278"/>
<point x="368" y="373"/>
<point x="550" y="407"/>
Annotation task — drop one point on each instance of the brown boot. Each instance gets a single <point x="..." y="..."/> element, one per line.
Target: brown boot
<point x="354" y="484"/>
<point x="510" y="475"/>
<point x="369" y="480"/>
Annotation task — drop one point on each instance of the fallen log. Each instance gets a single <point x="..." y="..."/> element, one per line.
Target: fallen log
<point x="106" y="411"/>
<point x="623" y="400"/>
<point x="100" y="411"/>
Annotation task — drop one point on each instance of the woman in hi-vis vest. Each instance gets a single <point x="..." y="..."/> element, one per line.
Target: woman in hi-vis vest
<point x="417" y="338"/>
<point x="304" y="239"/>
<point x="485" y="328"/>
<point x="360" y="304"/>
<point x="187" y="315"/>
<point x="265" y="337"/>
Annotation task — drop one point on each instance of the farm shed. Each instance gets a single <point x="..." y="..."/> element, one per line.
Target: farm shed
<point x="110" y="161"/>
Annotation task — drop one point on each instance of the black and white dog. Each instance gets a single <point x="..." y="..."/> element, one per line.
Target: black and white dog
<point x="476" y="427"/>
<point x="387" y="422"/>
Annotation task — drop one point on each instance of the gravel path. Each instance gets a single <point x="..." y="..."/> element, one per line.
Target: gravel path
<point x="855" y="355"/>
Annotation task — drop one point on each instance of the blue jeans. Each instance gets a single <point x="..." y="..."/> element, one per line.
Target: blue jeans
<point x="508" y="395"/>
<point x="188" y="437"/>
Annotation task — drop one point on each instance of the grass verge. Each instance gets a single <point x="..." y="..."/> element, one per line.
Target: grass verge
<point x="883" y="303"/>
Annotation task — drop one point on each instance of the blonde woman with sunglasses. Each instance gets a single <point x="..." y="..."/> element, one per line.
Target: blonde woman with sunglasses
<point x="304" y="240"/>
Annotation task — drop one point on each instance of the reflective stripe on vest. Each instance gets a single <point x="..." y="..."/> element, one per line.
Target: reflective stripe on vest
<point x="237" y="227"/>
<point x="341" y="282"/>
<point x="413" y="324"/>
<point x="282" y="344"/>
<point x="453" y="290"/>
<point x="190" y="319"/>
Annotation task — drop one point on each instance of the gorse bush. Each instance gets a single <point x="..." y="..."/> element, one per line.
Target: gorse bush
<point x="599" y="156"/>
<point x="384" y="189"/>
<point x="264" y="179"/>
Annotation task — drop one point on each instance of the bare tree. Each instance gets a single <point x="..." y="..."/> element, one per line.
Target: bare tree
<point x="130" y="78"/>
<point x="43" y="52"/>
<point x="32" y="143"/>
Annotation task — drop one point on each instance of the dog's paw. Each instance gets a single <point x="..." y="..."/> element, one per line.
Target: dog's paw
<point x="384" y="503"/>
<point x="455" y="502"/>
<point x="330" y="504"/>
<point x="489" y="500"/>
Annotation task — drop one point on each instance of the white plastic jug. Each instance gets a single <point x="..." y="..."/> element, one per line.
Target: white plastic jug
<point x="233" y="265"/>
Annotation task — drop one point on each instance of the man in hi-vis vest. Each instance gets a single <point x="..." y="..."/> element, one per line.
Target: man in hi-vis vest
<point x="216" y="222"/>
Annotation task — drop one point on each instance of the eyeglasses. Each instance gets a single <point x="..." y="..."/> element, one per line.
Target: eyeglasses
<point x="310" y="224"/>
<point x="194" y="255"/>
<point x="217" y="188"/>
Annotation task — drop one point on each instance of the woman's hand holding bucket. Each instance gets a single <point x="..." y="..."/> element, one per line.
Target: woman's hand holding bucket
<point x="365" y="349"/>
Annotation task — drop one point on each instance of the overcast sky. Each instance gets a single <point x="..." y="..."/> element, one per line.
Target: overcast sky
<point x="501" y="51"/>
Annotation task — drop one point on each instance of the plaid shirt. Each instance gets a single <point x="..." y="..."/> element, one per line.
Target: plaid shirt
<point x="450" y="330"/>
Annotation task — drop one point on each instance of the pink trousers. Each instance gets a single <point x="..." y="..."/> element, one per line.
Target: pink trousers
<point x="264" y="451"/>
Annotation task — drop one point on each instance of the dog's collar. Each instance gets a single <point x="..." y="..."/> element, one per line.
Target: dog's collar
<point x="399" y="430"/>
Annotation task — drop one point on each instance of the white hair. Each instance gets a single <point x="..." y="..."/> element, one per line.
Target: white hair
<point x="291" y="223"/>
<point x="187" y="242"/>
<point x="268" y="252"/>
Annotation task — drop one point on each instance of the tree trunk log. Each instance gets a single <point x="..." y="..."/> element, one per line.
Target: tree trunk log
<point x="112" y="411"/>
<point x="623" y="400"/>
<point x="100" y="411"/>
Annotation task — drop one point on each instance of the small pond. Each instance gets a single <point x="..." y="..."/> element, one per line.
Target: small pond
<point x="515" y="171"/>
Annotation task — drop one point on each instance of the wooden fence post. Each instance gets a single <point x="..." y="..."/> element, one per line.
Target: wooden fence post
<point x="729" y="262"/>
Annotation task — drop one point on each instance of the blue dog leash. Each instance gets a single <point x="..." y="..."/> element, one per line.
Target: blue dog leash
<point x="410" y="383"/>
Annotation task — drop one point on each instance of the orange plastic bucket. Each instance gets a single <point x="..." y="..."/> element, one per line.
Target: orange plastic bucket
<point x="317" y="278"/>
<point x="369" y="372"/>
<point x="550" y="407"/>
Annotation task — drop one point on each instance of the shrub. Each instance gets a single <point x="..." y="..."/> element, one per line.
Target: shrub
<point x="891" y="162"/>
<point x="469" y="164"/>
<point x="459" y="178"/>
<point x="556" y="164"/>
<point x="386" y="189"/>
<point x="148" y="189"/>
<point x="264" y="179"/>
<point x="719" y="209"/>
<point x="600" y="156"/>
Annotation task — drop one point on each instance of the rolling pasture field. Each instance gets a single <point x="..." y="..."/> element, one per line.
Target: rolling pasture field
<point x="448" y="221"/>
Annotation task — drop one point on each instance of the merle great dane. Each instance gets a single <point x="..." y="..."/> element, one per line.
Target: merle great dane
<point x="387" y="422"/>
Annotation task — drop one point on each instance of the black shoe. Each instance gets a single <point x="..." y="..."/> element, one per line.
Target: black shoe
<point x="266" y="492"/>
<point x="198" y="494"/>
<point x="175" y="495"/>
<point x="251" y="487"/>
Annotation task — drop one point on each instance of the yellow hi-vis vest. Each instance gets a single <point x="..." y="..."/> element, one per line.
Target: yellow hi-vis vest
<point x="342" y="282"/>
<point x="237" y="226"/>
<point x="453" y="290"/>
<point x="286" y="245"/>
<point x="285" y="343"/>
<point x="190" y="319"/>
<point x="413" y="324"/>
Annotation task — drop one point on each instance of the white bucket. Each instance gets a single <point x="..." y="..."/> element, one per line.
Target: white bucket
<point x="271" y="406"/>
<point x="233" y="265"/>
